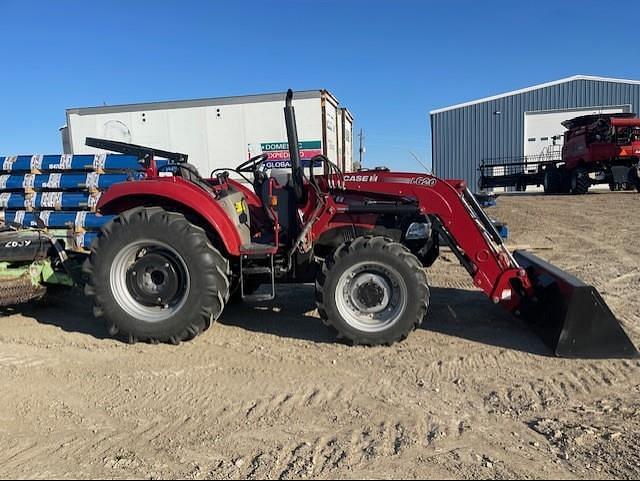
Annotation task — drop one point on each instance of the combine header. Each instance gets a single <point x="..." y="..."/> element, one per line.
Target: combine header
<point x="175" y="248"/>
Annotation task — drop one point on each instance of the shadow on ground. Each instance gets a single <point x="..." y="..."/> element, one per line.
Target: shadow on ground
<point x="468" y="314"/>
<point x="454" y="312"/>
<point x="460" y="313"/>
<point x="71" y="313"/>
<point x="291" y="315"/>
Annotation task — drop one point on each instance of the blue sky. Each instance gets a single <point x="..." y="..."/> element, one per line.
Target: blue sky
<point x="390" y="62"/>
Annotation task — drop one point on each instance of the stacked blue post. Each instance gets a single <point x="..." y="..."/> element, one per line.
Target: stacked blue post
<point x="61" y="192"/>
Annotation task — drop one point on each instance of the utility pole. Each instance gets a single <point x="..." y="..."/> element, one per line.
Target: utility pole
<point x="362" y="148"/>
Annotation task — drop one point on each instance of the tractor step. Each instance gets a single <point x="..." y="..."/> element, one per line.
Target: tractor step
<point x="256" y="249"/>
<point x="252" y="270"/>
<point x="257" y="270"/>
<point x="259" y="297"/>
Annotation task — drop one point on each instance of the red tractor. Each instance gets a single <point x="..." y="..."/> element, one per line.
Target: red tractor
<point x="181" y="247"/>
<point x="598" y="149"/>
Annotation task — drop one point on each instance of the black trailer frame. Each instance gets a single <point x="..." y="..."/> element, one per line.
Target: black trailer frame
<point x="515" y="172"/>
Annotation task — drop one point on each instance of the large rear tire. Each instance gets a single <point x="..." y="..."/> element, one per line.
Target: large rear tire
<point x="372" y="291"/>
<point x="156" y="277"/>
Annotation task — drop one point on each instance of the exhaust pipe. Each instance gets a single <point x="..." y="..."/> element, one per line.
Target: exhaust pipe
<point x="571" y="317"/>
<point x="297" y="176"/>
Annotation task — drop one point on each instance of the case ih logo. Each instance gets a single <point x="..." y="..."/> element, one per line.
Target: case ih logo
<point x="423" y="181"/>
<point x="361" y="178"/>
<point x="426" y="181"/>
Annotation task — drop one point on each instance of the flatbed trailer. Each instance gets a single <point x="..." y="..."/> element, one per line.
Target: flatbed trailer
<point x="518" y="174"/>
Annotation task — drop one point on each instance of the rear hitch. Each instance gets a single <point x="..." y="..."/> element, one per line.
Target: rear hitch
<point x="571" y="317"/>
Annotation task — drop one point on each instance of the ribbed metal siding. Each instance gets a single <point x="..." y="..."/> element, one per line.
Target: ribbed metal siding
<point x="462" y="137"/>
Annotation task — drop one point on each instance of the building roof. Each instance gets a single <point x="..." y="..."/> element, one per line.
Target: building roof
<point x="205" y="102"/>
<point x="534" y="87"/>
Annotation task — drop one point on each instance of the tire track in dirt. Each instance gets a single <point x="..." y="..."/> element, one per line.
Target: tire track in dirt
<point x="349" y="447"/>
<point x="564" y="385"/>
<point x="26" y="362"/>
<point x="29" y="455"/>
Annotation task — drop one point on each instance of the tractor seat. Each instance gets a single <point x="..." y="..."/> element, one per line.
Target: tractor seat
<point x="190" y="172"/>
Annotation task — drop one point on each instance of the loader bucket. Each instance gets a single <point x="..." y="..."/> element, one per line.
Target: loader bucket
<point x="571" y="316"/>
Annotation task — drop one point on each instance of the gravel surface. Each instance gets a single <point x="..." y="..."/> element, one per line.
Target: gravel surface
<point x="268" y="393"/>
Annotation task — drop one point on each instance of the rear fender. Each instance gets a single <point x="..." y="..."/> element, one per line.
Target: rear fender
<point x="173" y="192"/>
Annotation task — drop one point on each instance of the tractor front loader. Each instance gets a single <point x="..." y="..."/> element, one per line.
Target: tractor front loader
<point x="179" y="247"/>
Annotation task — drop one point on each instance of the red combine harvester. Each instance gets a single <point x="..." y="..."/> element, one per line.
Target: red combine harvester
<point x="597" y="149"/>
<point x="181" y="246"/>
<point x="605" y="145"/>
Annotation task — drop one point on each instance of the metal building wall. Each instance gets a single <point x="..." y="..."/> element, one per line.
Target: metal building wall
<point x="463" y="136"/>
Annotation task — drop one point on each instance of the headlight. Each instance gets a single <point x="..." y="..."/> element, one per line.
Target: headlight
<point x="418" y="230"/>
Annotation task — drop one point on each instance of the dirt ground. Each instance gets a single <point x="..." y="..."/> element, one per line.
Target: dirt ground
<point x="268" y="393"/>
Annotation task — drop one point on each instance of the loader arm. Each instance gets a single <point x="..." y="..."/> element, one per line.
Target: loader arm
<point x="462" y="223"/>
<point x="570" y="316"/>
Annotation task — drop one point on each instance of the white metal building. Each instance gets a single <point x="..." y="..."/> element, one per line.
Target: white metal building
<point x="221" y="132"/>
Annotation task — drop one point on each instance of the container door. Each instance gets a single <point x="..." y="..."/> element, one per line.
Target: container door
<point x="330" y="128"/>
<point x="347" y="140"/>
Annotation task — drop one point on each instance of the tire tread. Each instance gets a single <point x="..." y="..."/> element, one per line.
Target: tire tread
<point x="373" y="243"/>
<point x="198" y="242"/>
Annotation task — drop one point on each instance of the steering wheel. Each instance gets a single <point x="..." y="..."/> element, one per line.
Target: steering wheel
<point x="252" y="164"/>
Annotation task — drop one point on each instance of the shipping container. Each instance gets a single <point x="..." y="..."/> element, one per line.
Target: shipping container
<point x="346" y="139"/>
<point x="219" y="132"/>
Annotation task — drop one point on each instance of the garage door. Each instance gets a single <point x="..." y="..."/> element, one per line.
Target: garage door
<point x="543" y="130"/>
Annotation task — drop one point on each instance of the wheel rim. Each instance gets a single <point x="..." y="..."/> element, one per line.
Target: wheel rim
<point x="371" y="296"/>
<point x="149" y="280"/>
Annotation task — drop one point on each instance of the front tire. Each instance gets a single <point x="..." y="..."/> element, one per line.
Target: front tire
<point x="372" y="291"/>
<point x="580" y="181"/>
<point x="635" y="177"/>
<point x="156" y="277"/>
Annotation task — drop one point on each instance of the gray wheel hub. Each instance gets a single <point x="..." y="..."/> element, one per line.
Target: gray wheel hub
<point x="370" y="293"/>
<point x="155" y="279"/>
<point x="371" y="296"/>
<point x="149" y="280"/>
